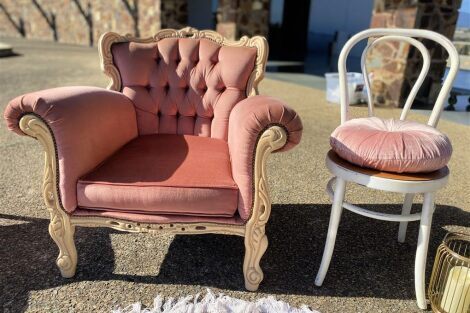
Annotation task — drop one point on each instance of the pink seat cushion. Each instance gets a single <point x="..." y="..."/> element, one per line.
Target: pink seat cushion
<point x="391" y="145"/>
<point x="164" y="174"/>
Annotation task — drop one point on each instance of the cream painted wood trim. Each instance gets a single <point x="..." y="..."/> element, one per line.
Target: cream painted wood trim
<point x="173" y="228"/>
<point x="60" y="228"/>
<point x="258" y="42"/>
<point x="62" y="225"/>
<point x="256" y="241"/>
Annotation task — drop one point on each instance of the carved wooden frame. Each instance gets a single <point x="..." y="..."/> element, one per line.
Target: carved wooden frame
<point x="258" y="42"/>
<point x="62" y="224"/>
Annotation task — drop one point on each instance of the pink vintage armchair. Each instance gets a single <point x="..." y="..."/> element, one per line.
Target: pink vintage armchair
<point x="177" y="143"/>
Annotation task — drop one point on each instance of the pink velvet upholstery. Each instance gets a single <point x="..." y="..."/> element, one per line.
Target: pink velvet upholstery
<point x="184" y="86"/>
<point x="164" y="174"/>
<point x="172" y="89"/>
<point x="248" y="120"/>
<point x="89" y="124"/>
<point x="391" y="145"/>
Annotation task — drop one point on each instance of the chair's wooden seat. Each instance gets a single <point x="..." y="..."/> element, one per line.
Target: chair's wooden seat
<point x="443" y="172"/>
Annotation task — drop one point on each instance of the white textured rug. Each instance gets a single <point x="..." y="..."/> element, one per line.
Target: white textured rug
<point x="211" y="303"/>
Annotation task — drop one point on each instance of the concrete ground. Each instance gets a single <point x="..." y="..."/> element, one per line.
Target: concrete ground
<point x="370" y="271"/>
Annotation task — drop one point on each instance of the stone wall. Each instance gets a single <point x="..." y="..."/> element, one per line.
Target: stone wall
<point x="72" y="21"/>
<point x="83" y="21"/>
<point x="387" y="61"/>
<point x="174" y="13"/>
<point x="236" y="18"/>
<point x="440" y="16"/>
<point x="396" y="66"/>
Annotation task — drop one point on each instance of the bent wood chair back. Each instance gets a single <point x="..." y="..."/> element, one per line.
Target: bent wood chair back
<point x="380" y="35"/>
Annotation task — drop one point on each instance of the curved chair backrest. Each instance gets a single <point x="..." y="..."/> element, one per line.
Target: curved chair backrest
<point x="406" y="35"/>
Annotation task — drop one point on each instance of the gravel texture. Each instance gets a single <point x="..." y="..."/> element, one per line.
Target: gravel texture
<point x="370" y="270"/>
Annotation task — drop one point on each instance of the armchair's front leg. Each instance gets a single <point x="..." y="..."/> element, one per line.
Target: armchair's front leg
<point x="79" y="127"/>
<point x="60" y="228"/>
<point x="62" y="233"/>
<point x="256" y="241"/>
<point x="258" y="126"/>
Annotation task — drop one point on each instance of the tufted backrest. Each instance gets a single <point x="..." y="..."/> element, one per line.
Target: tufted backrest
<point x="182" y="85"/>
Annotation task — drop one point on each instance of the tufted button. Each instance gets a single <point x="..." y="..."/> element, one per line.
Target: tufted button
<point x="166" y="87"/>
<point x="186" y="89"/>
<point x="148" y="87"/>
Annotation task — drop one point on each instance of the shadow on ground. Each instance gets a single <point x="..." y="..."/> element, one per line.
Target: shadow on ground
<point x="11" y="55"/>
<point x="368" y="261"/>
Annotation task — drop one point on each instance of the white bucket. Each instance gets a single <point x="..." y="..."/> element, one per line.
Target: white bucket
<point x="355" y="88"/>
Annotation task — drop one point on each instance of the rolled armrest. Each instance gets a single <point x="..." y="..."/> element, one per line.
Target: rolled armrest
<point x="88" y="124"/>
<point x="247" y="122"/>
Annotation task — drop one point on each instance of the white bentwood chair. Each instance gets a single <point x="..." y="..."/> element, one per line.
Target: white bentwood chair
<point x="406" y="183"/>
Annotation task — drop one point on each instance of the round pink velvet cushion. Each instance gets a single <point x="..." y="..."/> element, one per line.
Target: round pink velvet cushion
<point x="391" y="145"/>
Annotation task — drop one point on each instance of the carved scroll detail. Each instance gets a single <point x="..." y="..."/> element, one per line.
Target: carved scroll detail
<point x="60" y="228"/>
<point x="256" y="241"/>
<point x="258" y="42"/>
<point x="174" y="228"/>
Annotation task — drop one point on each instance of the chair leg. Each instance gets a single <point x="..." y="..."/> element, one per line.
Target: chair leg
<point x="336" y="210"/>
<point x="256" y="243"/>
<point x="405" y="211"/>
<point x="422" y="250"/>
<point x="62" y="233"/>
